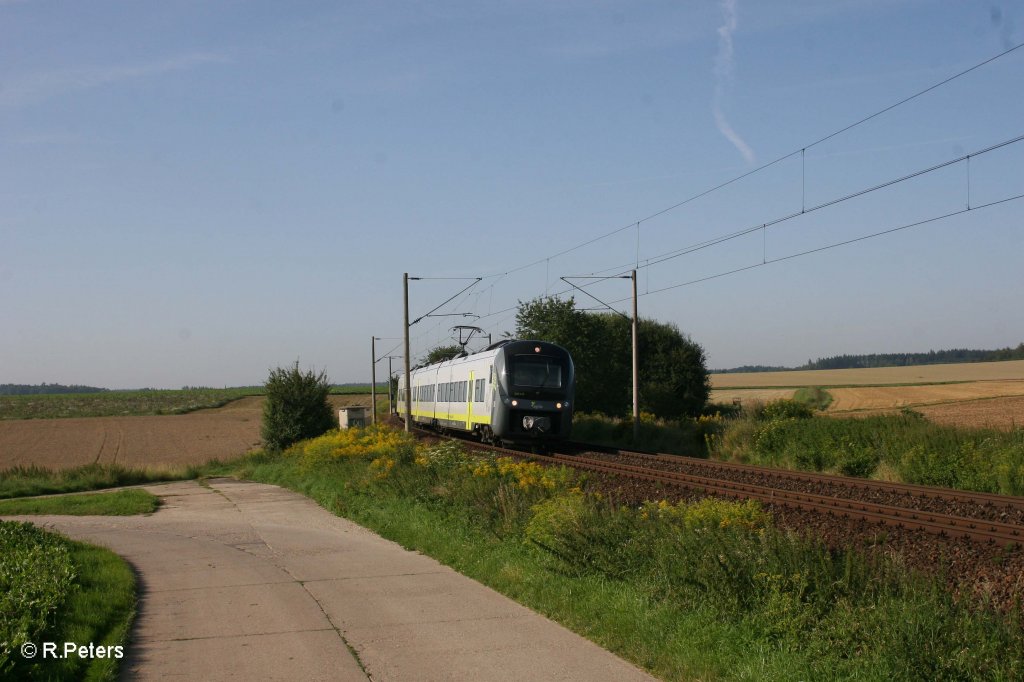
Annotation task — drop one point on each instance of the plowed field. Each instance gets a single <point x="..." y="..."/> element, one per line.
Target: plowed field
<point x="151" y="441"/>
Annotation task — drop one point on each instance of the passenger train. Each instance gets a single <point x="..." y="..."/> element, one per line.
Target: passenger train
<point x="518" y="392"/>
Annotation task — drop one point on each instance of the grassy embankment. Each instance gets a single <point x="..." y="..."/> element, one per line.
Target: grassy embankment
<point x="55" y="590"/>
<point x="901" y="447"/>
<point x="117" y="503"/>
<point x="33" y="480"/>
<point x="709" y="590"/>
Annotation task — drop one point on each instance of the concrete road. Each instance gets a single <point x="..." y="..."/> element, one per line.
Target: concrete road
<point x="253" y="582"/>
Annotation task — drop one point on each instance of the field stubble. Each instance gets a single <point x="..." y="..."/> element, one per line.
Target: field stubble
<point x="970" y="395"/>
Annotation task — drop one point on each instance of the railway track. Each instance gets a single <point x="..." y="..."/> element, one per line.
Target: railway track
<point x="980" y="517"/>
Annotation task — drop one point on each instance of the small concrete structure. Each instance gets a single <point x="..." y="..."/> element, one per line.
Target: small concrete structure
<point x="351" y="416"/>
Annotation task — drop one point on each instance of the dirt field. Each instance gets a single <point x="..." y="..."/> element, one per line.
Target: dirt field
<point x="921" y="374"/>
<point x="152" y="441"/>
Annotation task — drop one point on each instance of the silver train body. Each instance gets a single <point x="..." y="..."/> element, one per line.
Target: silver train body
<point x="512" y="391"/>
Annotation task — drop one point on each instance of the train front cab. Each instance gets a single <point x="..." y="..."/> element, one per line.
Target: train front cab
<point x="535" y="383"/>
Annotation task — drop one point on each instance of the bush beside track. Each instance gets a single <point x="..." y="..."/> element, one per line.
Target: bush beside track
<point x="905" y="447"/>
<point x="688" y="590"/>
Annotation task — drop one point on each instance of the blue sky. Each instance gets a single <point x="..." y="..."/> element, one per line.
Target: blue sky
<point x="195" y="192"/>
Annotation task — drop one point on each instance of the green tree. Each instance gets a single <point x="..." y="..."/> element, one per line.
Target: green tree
<point x="442" y="353"/>
<point x="589" y="339"/>
<point x="673" y="370"/>
<point x="296" y="407"/>
<point x="674" y="380"/>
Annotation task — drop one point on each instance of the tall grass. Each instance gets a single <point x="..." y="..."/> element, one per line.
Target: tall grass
<point x="682" y="437"/>
<point x="118" y="503"/>
<point x="24" y="481"/>
<point x="904" y="447"/>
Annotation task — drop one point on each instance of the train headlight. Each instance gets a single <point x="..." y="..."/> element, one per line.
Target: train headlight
<point x="558" y="406"/>
<point x="514" y="403"/>
<point x="536" y="349"/>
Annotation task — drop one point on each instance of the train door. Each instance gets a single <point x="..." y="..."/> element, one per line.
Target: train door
<point x="447" y="416"/>
<point x="469" y="403"/>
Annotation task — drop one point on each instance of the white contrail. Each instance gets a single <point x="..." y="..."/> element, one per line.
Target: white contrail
<point x="723" y="75"/>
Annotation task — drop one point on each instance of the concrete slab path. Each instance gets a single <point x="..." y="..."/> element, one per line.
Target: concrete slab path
<point x="249" y="581"/>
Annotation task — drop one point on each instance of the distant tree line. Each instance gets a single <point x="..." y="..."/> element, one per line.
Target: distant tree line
<point x="746" y="369"/>
<point x="47" y="389"/>
<point x="932" y="357"/>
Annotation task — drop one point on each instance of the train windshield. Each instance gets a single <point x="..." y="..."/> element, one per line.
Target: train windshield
<point x="536" y="371"/>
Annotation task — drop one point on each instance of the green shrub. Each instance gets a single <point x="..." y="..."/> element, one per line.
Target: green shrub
<point x="858" y="459"/>
<point x="786" y="409"/>
<point x="814" y="397"/>
<point x="296" y="407"/>
<point x="906" y="444"/>
<point x="556" y="517"/>
<point x="36" y="576"/>
<point x="685" y="436"/>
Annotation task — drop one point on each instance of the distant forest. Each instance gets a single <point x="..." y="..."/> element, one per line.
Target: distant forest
<point x="46" y="389"/>
<point x="932" y="357"/>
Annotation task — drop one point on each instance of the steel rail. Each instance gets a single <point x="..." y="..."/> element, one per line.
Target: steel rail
<point x="939" y="524"/>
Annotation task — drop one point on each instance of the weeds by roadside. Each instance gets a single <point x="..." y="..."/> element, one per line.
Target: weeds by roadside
<point x="33" y="480"/>
<point x="118" y="503"/>
<point x="705" y="590"/>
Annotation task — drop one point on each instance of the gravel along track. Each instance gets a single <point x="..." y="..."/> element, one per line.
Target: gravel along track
<point x="1001" y="509"/>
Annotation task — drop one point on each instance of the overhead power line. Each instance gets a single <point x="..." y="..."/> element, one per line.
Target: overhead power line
<point x="830" y="246"/>
<point x="714" y="241"/>
<point x="802" y="150"/>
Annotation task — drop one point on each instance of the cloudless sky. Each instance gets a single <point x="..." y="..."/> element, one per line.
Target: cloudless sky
<point x="192" y="193"/>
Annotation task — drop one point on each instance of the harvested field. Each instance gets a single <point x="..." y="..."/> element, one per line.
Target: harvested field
<point x="998" y="413"/>
<point x="882" y="397"/>
<point x="881" y="376"/>
<point x="146" y="441"/>
<point x="993" y="413"/>
<point x="747" y="396"/>
<point x="980" y="394"/>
